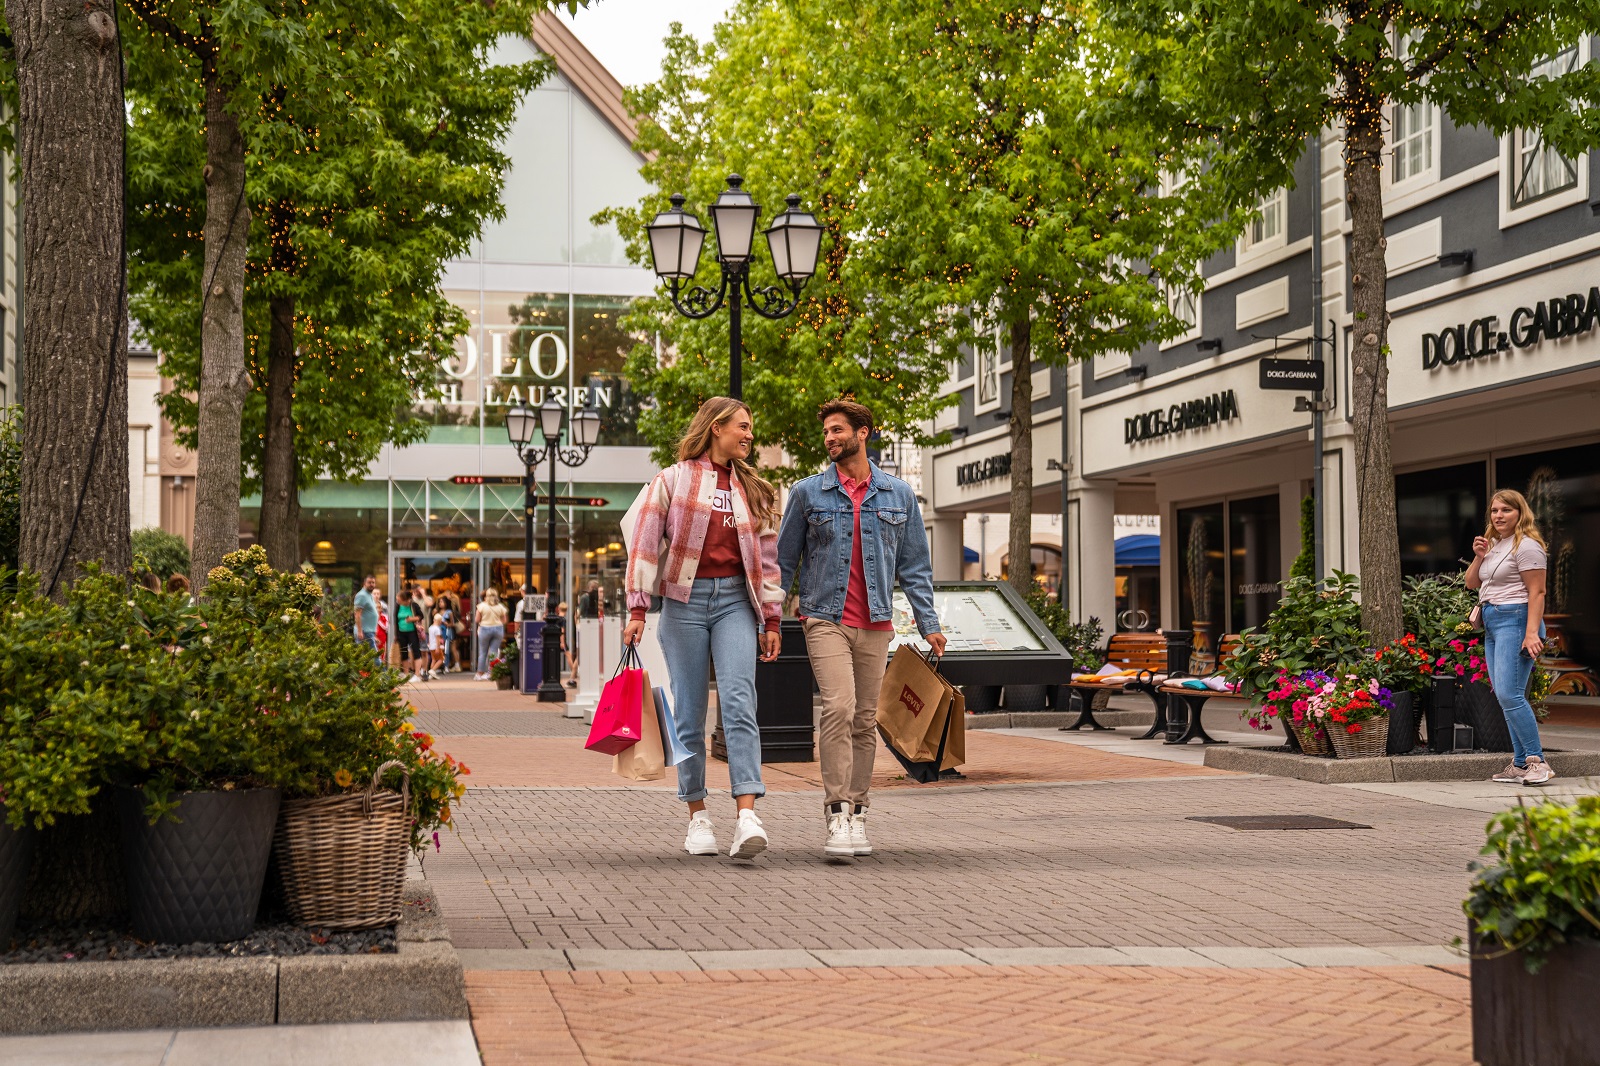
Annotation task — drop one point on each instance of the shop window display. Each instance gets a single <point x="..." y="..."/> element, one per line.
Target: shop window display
<point x="1201" y="580"/>
<point x="1439" y="512"/>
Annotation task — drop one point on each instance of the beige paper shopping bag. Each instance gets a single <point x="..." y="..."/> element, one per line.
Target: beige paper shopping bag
<point x="912" y="703"/>
<point x="646" y="760"/>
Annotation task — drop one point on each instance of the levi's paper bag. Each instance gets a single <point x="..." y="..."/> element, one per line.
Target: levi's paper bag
<point x="955" y="748"/>
<point x="644" y="761"/>
<point x="909" y="702"/>
<point x="619" y="715"/>
<point x="674" y="748"/>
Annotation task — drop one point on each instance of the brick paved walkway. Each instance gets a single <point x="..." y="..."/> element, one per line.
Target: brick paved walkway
<point x="1048" y="845"/>
<point x="1408" y="1015"/>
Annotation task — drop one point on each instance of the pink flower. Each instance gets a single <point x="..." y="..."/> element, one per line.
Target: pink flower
<point x="1461" y="671"/>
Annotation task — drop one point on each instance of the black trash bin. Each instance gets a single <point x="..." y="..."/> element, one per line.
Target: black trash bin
<point x="783" y="702"/>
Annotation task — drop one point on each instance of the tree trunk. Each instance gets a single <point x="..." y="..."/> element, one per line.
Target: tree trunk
<point x="1369" y="370"/>
<point x="224" y="382"/>
<point x="75" y="349"/>
<point x="1021" y="568"/>
<point x="280" y="472"/>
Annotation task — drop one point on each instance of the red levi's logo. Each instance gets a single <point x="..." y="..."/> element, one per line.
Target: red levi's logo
<point x="912" y="701"/>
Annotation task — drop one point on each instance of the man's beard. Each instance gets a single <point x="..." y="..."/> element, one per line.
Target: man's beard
<point x="848" y="449"/>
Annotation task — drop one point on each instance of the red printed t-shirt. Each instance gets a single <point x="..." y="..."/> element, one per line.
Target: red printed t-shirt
<point x="720" y="556"/>
<point x="857" y="614"/>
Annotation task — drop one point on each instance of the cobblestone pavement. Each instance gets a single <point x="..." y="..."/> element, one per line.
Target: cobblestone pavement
<point x="1410" y="1015"/>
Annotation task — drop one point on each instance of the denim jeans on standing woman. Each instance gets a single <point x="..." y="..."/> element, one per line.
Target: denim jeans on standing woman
<point x="717" y="624"/>
<point x="489" y="640"/>
<point x="1505" y="626"/>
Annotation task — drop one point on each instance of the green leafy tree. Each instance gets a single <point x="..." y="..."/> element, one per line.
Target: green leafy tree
<point x="366" y="144"/>
<point x="160" y="552"/>
<point x="999" y="209"/>
<point x="758" y="100"/>
<point x="1257" y="81"/>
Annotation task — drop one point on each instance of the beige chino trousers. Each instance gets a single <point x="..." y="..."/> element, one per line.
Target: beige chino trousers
<point x="849" y="665"/>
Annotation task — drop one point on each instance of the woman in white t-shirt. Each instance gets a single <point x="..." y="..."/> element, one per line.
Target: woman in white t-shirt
<point x="1508" y="570"/>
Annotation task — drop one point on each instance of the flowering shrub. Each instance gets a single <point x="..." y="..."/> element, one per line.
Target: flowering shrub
<point x="1288" y="701"/>
<point x="1405" y="664"/>
<point x="1314" y="627"/>
<point x="1463" y="657"/>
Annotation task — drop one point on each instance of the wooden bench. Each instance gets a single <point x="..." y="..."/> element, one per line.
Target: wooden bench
<point x="1193" y="701"/>
<point x="1144" y="652"/>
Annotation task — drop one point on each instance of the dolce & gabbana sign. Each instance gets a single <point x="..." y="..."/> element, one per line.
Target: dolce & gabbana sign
<point x="1558" y="317"/>
<point x="1192" y="414"/>
<point x="981" y="470"/>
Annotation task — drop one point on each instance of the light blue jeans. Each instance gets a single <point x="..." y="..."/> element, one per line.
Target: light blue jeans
<point x="717" y="624"/>
<point x="490" y="638"/>
<point x="1504" y="627"/>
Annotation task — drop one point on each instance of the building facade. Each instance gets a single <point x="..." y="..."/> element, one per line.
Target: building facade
<point x="1493" y="251"/>
<point x="544" y="289"/>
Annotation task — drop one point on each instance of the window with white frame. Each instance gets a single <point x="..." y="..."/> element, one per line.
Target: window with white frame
<point x="1412" y="132"/>
<point x="1538" y="170"/>
<point x="1185" y="307"/>
<point x="1266" y="229"/>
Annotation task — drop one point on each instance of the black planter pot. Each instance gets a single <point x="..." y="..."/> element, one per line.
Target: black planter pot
<point x="1027" y="697"/>
<point x="1403" y="723"/>
<point x="198" y="879"/>
<point x="982" y="698"/>
<point x="1536" y="1019"/>
<point x="1477" y="707"/>
<point x="16" y="858"/>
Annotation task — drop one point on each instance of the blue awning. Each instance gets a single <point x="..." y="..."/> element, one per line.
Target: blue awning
<point x="1139" y="549"/>
<point x="968" y="555"/>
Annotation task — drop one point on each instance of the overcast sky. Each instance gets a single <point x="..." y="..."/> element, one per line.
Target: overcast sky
<point x="626" y="35"/>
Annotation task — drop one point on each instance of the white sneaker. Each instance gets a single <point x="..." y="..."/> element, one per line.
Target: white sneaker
<point x="858" y="833"/>
<point x="702" y="839"/>
<point x="840" y="846"/>
<point x="1538" y="772"/>
<point x="749" y="839"/>
<point x="415" y="678"/>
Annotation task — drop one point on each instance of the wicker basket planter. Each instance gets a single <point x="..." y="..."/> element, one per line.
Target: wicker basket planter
<point x="1312" y="741"/>
<point x="1370" y="743"/>
<point x="342" y="859"/>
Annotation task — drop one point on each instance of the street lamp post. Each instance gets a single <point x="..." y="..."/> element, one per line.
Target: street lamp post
<point x="521" y="421"/>
<point x="677" y="237"/>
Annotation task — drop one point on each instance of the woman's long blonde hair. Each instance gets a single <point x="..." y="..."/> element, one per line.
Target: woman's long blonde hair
<point x="758" y="492"/>
<point x="1525" y="526"/>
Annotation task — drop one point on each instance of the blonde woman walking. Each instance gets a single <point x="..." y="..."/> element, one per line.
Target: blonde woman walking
<point x="491" y="621"/>
<point x="707" y="542"/>
<point x="1508" y="570"/>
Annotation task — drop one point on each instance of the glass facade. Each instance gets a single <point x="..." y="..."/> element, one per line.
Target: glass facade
<point x="1230" y="566"/>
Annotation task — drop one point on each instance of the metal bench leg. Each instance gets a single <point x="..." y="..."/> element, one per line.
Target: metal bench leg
<point x="1085" y="702"/>
<point x="1193" y="730"/>
<point x="1158" y="728"/>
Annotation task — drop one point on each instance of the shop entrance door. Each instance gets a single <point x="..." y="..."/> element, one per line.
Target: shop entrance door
<point x="461" y="578"/>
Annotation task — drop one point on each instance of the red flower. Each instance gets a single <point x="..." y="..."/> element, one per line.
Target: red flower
<point x="1353" y="727"/>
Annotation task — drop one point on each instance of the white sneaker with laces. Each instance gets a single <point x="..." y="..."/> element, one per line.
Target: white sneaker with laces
<point x="749" y="839"/>
<point x="702" y="839"/>
<point x="839" y="847"/>
<point x="416" y="678"/>
<point x="858" y="833"/>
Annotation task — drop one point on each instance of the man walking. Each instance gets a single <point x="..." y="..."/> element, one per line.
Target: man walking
<point x="852" y="531"/>
<point x="367" y="613"/>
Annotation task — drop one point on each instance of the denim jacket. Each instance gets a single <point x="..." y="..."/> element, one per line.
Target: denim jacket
<point x="818" y="524"/>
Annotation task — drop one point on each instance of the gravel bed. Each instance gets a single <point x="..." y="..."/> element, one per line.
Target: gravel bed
<point x="85" y="943"/>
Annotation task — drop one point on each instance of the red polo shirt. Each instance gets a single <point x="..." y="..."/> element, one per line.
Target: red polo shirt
<point x="857" y="612"/>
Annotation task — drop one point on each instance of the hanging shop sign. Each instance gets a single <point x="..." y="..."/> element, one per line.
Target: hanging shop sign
<point x="1296" y="375"/>
<point x="512" y="479"/>
<point x="1192" y="414"/>
<point x="1558" y="317"/>
<point x="979" y="471"/>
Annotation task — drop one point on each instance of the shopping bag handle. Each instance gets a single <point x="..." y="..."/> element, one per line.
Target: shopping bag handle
<point x="629" y="651"/>
<point x="932" y="658"/>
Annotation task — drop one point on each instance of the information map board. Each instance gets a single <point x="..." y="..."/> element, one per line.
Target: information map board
<point x="992" y="637"/>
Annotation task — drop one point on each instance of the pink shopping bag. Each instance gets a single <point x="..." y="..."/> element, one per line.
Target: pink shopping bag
<point x="619" y="716"/>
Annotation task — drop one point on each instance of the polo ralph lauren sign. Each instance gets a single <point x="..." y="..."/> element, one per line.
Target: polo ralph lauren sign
<point x="1558" y="317"/>
<point x="1193" y="414"/>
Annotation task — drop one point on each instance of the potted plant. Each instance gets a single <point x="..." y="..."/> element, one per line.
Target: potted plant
<point x="500" y="668"/>
<point x="1461" y="664"/>
<point x="1354" y="709"/>
<point x="62" y="668"/>
<point x="1405" y="668"/>
<point x="1287" y="701"/>
<point x="1535" y="935"/>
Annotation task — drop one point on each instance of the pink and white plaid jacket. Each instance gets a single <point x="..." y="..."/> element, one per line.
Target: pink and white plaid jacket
<point x="673" y="522"/>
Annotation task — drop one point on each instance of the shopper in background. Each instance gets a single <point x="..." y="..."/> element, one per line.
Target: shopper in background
<point x="718" y="575"/>
<point x="366" y="607"/>
<point x="490" y="619"/>
<point x="1508" y="570"/>
<point x="408" y="625"/>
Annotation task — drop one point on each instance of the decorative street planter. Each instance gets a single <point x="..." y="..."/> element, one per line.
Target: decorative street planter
<point x="16" y="857"/>
<point x="1535" y="1019"/>
<point x="199" y="878"/>
<point x="1372" y="742"/>
<point x="1027" y="697"/>
<point x="1476" y="706"/>
<point x="342" y="858"/>
<point x="1404" y="721"/>
<point x="982" y="697"/>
